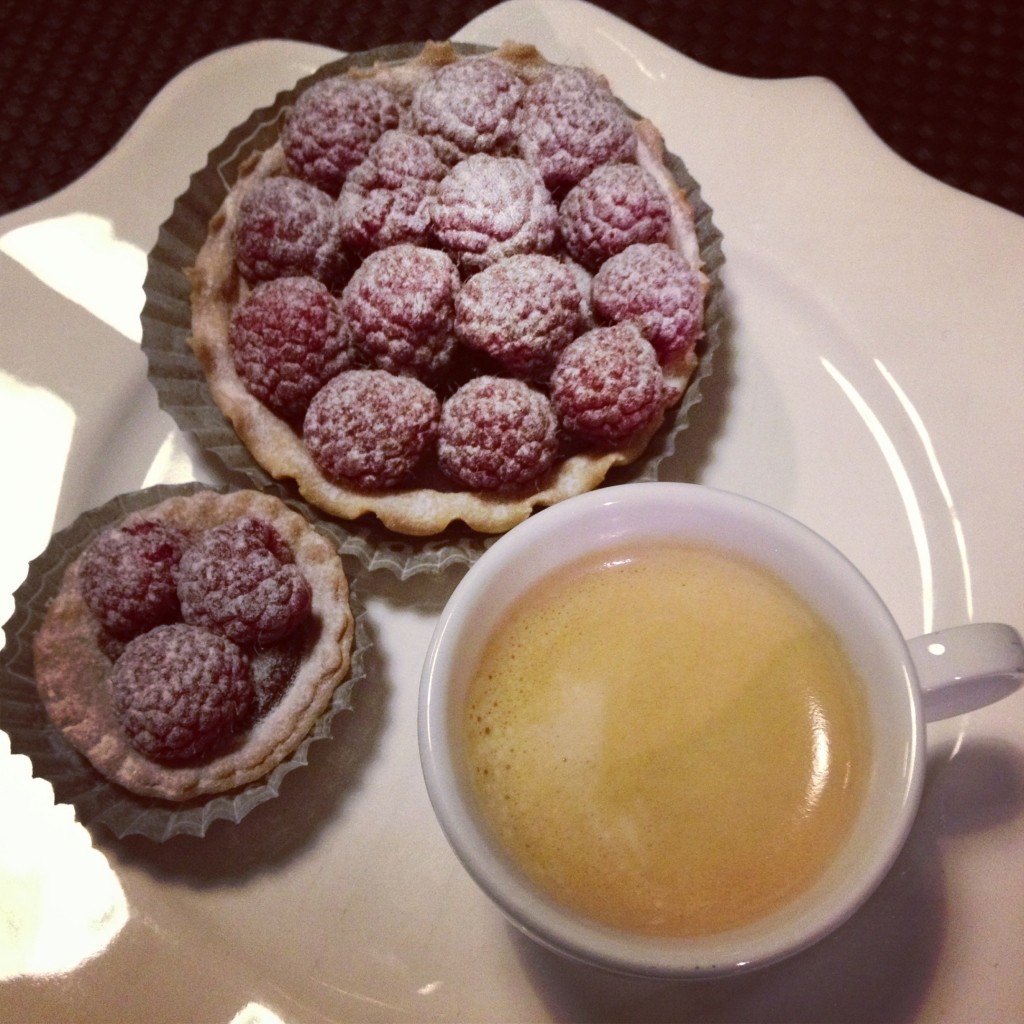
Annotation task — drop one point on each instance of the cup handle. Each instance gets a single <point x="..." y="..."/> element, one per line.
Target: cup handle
<point x="966" y="667"/>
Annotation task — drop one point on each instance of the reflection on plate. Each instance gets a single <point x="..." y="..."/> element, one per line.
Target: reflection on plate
<point x="869" y="386"/>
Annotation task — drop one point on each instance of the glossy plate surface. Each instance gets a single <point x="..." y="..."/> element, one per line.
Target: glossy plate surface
<point x="870" y="386"/>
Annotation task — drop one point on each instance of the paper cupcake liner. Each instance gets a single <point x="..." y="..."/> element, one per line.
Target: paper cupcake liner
<point x="181" y="384"/>
<point x="98" y="801"/>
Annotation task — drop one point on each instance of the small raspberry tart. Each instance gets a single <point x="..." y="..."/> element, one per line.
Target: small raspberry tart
<point x="192" y="646"/>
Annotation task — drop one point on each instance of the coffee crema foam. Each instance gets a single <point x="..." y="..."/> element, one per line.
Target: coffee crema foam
<point x="668" y="740"/>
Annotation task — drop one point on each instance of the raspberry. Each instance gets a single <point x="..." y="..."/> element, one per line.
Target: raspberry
<point x="522" y="311"/>
<point x="181" y="692"/>
<point x="497" y="433"/>
<point x="287" y="340"/>
<point x="129" y="577"/>
<point x="332" y="126"/>
<point x="607" y="386"/>
<point x="613" y="207"/>
<point x="570" y="123"/>
<point x="656" y="286"/>
<point x="400" y="306"/>
<point x="468" y="107"/>
<point x="489" y="207"/>
<point x="371" y="428"/>
<point x="397" y="156"/>
<point x="386" y="199"/>
<point x="239" y="579"/>
<point x="286" y="227"/>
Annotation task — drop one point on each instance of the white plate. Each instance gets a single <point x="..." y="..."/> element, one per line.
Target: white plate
<point x="872" y="388"/>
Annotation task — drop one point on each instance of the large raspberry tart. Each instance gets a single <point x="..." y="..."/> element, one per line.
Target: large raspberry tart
<point x="459" y="207"/>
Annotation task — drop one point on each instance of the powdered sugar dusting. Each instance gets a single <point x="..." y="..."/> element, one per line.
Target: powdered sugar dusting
<point x="522" y="311"/>
<point x="615" y="206"/>
<point x="286" y="226"/>
<point x="491" y="207"/>
<point x="570" y="123"/>
<point x="656" y="286"/>
<point x="400" y="305"/>
<point x="497" y="433"/>
<point x="181" y="692"/>
<point x="607" y="385"/>
<point x="288" y="339"/>
<point x="130" y="577"/>
<point x="371" y="427"/>
<point x="468" y="107"/>
<point x="386" y="200"/>
<point x="239" y="579"/>
<point x="332" y="126"/>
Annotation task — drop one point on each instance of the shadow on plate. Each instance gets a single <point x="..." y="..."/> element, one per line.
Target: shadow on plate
<point x="694" y="446"/>
<point x="426" y="593"/>
<point x="876" y="967"/>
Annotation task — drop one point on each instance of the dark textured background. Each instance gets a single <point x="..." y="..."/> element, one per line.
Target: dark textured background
<point x="941" y="81"/>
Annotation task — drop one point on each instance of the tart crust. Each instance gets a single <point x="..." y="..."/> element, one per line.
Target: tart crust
<point x="422" y="509"/>
<point x="72" y="673"/>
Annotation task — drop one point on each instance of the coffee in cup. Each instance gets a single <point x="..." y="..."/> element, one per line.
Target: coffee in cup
<point x="667" y="738"/>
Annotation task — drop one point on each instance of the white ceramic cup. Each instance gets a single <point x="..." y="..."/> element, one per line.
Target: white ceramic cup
<point x="907" y="685"/>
